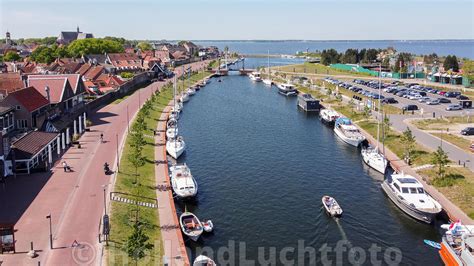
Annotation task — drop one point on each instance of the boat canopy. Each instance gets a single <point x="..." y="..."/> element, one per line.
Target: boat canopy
<point x="343" y="121"/>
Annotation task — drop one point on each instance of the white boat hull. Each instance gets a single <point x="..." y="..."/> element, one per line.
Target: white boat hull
<point x="268" y="82"/>
<point x="374" y="159"/>
<point x="350" y="141"/>
<point x="172" y="133"/>
<point x="175" y="150"/>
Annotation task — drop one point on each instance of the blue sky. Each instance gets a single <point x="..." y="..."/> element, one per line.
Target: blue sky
<point x="242" y="19"/>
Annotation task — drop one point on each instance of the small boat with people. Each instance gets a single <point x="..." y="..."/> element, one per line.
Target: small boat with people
<point x="287" y="89"/>
<point x="172" y="128"/>
<point x="409" y="195"/>
<point x="346" y="131"/>
<point x="457" y="244"/>
<point x="175" y="147"/>
<point x="331" y="206"/>
<point x="373" y="158"/>
<point x="202" y="260"/>
<point x="182" y="181"/>
<point x="328" y="116"/>
<point x="190" y="225"/>
<point x="255" y="76"/>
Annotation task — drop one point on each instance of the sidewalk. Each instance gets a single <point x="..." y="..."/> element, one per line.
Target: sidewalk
<point x="75" y="200"/>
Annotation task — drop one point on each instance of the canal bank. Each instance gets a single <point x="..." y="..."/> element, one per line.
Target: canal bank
<point x="262" y="168"/>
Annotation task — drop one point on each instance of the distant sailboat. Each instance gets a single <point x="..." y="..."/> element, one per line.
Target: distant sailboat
<point x="268" y="81"/>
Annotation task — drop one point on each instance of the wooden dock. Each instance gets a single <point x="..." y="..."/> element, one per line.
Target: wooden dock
<point x="172" y="237"/>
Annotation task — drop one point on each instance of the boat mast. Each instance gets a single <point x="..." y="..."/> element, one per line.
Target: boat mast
<point x="378" y="120"/>
<point x="269" y="73"/>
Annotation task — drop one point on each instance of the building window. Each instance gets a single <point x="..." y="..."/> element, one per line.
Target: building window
<point x="21" y="123"/>
<point x="18" y="107"/>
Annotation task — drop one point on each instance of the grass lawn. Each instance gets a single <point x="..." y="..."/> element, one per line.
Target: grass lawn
<point x="458" y="186"/>
<point x="191" y="81"/>
<point x="441" y="123"/>
<point x="122" y="215"/>
<point x="461" y="142"/>
<point x="315" y="68"/>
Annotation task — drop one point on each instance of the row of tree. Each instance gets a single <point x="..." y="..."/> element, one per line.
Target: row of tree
<point x="350" y="56"/>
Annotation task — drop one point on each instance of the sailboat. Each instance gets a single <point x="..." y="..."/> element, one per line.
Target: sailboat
<point x="172" y="129"/>
<point x="175" y="146"/>
<point x="371" y="155"/>
<point x="268" y="81"/>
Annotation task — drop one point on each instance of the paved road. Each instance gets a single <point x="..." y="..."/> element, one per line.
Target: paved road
<point x="75" y="200"/>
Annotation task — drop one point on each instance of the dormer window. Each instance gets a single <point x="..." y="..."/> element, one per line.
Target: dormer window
<point x="18" y="107"/>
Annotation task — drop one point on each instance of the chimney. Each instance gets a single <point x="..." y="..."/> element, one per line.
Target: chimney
<point x="47" y="94"/>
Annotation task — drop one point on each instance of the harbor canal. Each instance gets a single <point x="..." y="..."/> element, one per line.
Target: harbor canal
<point x="262" y="167"/>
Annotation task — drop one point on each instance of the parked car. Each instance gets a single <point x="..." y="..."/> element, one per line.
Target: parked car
<point x="415" y="97"/>
<point x="424" y="99"/>
<point x="401" y="93"/>
<point x="452" y="94"/>
<point x="432" y="101"/>
<point x="441" y="93"/>
<point x="462" y="97"/>
<point x="410" y="107"/>
<point x="389" y="100"/>
<point x="444" y="100"/>
<point x="453" y="107"/>
<point x="468" y="131"/>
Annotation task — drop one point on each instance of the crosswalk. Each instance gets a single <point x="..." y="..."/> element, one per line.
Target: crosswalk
<point x="134" y="202"/>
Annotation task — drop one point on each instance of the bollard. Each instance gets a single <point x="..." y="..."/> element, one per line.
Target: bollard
<point x="459" y="162"/>
<point x="434" y="114"/>
<point x="464" y="165"/>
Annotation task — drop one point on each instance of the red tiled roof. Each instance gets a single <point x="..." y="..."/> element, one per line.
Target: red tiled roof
<point x="32" y="143"/>
<point x="30" y="98"/>
<point x="10" y="82"/>
<point x="94" y="72"/>
<point x="83" y="69"/>
<point x="125" y="60"/>
<point x="163" y="55"/>
<point x="73" y="79"/>
<point x="56" y="86"/>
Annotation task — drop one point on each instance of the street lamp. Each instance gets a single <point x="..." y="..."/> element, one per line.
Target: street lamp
<point x="50" y="231"/>
<point x="105" y="204"/>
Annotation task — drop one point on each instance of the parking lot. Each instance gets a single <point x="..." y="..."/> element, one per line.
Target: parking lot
<point x="407" y="95"/>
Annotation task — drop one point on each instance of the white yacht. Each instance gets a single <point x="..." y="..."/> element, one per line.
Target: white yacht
<point x="202" y="260"/>
<point x="373" y="158"/>
<point x="175" y="147"/>
<point x="410" y="196"/>
<point x="457" y="245"/>
<point x="174" y="115"/>
<point x="172" y="129"/>
<point x="184" y="97"/>
<point x="191" y="91"/>
<point x="183" y="183"/>
<point x="287" y="89"/>
<point x="329" y="116"/>
<point x="349" y="133"/>
<point x="190" y="225"/>
<point x="255" y="76"/>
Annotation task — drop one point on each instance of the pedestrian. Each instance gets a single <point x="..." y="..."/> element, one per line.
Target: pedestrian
<point x="65" y="166"/>
<point x="102" y="137"/>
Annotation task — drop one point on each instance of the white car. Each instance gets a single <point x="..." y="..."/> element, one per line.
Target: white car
<point x="415" y="97"/>
<point x="453" y="107"/>
<point x="424" y="99"/>
<point x="432" y="102"/>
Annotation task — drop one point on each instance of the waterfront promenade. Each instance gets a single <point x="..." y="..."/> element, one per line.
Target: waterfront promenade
<point x="74" y="199"/>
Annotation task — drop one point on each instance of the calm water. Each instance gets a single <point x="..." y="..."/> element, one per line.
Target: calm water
<point x="262" y="167"/>
<point x="460" y="48"/>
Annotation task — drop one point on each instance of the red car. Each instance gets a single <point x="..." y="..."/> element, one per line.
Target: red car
<point x="441" y="92"/>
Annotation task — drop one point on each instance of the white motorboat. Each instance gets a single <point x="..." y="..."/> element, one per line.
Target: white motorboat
<point x="171" y="129"/>
<point x="190" y="225"/>
<point x="208" y="226"/>
<point x="268" y="82"/>
<point x="182" y="181"/>
<point x="457" y="245"/>
<point x="184" y="97"/>
<point x="329" y="116"/>
<point x="410" y="196"/>
<point x="202" y="260"/>
<point x="174" y="115"/>
<point x="255" y="76"/>
<point x="346" y="131"/>
<point x="191" y="91"/>
<point x="373" y="158"/>
<point x="178" y="107"/>
<point x="175" y="147"/>
<point x="287" y="89"/>
<point x="331" y="206"/>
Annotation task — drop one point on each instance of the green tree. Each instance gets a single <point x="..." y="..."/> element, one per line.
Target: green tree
<point x="351" y="56"/>
<point x="386" y="124"/>
<point x="451" y="63"/>
<point x="403" y="60"/>
<point x="330" y="56"/>
<point x="440" y="160"/>
<point x="43" y="54"/>
<point x="371" y="55"/>
<point x="11" y="56"/>
<point x="115" y="39"/>
<point x="468" y="69"/>
<point x="126" y="75"/>
<point x="137" y="243"/>
<point x="408" y="141"/>
<point x="144" y="46"/>
<point x="94" y="46"/>
<point x="366" y="113"/>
